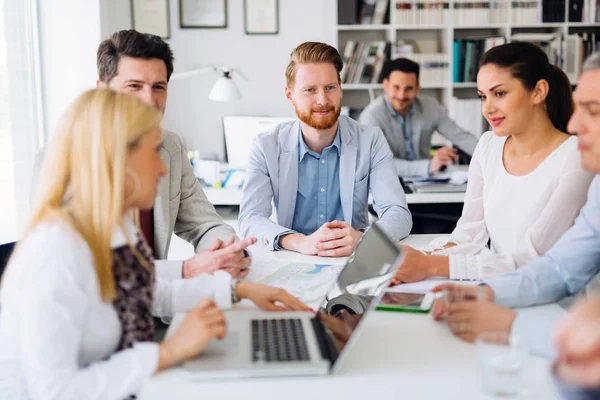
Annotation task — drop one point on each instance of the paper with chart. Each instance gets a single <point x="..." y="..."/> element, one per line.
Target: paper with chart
<point x="307" y="281"/>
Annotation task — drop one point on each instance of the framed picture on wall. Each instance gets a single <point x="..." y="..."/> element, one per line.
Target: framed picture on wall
<point x="203" y="13"/>
<point x="151" y="16"/>
<point x="261" y="17"/>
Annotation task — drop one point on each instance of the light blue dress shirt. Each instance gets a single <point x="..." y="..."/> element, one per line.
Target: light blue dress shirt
<point x="406" y="123"/>
<point x="563" y="271"/>
<point x="318" y="198"/>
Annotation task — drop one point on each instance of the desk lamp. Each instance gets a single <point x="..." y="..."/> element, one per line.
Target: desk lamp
<point x="224" y="88"/>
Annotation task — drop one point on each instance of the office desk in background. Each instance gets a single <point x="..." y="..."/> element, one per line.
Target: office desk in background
<point x="233" y="197"/>
<point x="394" y="356"/>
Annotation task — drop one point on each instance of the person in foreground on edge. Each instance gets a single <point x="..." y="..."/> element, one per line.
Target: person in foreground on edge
<point x="319" y="169"/>
<point x="577" y="339"/>
<point x="142" y="64"/>
<point x="409" y="120"/>
<point x="564" y="270"/>
<point x="526" y="183"/>
<point x="80" y="290"/>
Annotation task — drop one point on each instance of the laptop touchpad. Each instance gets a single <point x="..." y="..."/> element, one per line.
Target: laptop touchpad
<point x="219" y="348"/>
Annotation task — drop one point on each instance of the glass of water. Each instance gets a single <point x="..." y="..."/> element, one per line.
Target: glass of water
<point x="501" y="359"/>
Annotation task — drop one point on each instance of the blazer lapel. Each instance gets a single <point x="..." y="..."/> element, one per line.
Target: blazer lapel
<point x="161" y="210"/>
<point x="347" y="170"/>
<point x="288" y="175"/>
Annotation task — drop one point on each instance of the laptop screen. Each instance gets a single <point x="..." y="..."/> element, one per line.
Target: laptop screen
<point x="368" y="271"/>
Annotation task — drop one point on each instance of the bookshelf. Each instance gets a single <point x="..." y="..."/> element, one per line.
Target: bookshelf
<point x="457" y="20"/>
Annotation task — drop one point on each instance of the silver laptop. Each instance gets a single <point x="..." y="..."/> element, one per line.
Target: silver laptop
<point x="260" y="343"/>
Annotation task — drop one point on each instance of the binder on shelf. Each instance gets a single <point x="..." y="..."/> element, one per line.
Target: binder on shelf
<point x="381" y="12"/>
<point x="466" y="54"/>
<point x="348" y="11"/>
<point x="367" y="11"/>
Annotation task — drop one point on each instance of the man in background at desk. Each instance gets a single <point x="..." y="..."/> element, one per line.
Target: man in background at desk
<point x="320" y="168"/>
<point x="408" y="121"/>
<point x="142" y="64"/>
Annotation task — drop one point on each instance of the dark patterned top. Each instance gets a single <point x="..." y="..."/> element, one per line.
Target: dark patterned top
<point x="134" y="285"/>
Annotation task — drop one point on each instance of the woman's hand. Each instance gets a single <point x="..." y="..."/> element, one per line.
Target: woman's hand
<point x="201" y="325"/>
<point x="415" y="267"/>
<point x="266" y="297"/>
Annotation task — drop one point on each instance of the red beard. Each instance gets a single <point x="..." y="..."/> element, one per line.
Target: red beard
<point x="316" y="122"/>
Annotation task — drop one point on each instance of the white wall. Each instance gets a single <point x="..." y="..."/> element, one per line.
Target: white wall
<point x="69" y="36"/>
<point x="261" y="58"/>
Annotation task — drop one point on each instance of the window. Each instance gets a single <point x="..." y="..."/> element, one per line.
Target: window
<point x="20" y="113"/>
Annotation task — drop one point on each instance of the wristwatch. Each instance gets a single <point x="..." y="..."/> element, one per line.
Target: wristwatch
<point x="234" y="296"/>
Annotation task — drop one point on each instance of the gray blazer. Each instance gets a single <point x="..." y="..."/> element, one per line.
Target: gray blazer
<point x="365" y="165"/>
<point x="180" y="206"/>
<point x="428" y="116"/>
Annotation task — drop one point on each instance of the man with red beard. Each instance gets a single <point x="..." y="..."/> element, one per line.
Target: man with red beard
<point x="318" y="170"/>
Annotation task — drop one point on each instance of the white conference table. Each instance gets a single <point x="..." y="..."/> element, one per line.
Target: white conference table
<point x="233" y="197"/>
<point x="396" y="355"/>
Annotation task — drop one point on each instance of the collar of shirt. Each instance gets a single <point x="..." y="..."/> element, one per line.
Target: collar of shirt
<point x="119" y="239"/>
<point x="303" y="148"/>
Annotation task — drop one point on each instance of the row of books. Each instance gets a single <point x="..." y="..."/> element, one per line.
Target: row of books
<point x="576" y="48"/>
<point x="466" y="54"/>
<point x="464" y="12"/>
<point x="418" y="12"/>
<point x="467" y="114"/>
<point x="524" y="12"/>
<point x="363" y="61"/>
<point x="536" y="11"/>
<point x="468" y="12"/>
<point x="434" y="68"/>
<point x="363" y="12"/>
<point x="551" y="43"/>
<point x="584" y="11"/>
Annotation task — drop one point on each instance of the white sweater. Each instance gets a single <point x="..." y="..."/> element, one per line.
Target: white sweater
<point x="522" y="216"/>
<point x="58" y="338"/>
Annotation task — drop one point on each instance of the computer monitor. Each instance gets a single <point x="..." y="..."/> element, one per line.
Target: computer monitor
<point x="239" y="134"/>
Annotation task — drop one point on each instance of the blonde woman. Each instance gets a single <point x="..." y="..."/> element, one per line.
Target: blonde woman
<point x="80" y="291"/>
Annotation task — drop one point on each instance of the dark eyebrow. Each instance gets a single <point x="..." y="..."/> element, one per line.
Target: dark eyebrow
<point x="142" y="82"/>
<point x="492" y="88"/>
<point x="588" y="103"/>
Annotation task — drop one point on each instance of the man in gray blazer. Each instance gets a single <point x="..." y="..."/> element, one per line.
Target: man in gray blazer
<point x="319" y="169"/>
<point x="141" y="64"/>
<point x="408" y="121"/>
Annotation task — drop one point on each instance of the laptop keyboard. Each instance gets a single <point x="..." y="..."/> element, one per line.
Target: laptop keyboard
<point x="278" y="340"/>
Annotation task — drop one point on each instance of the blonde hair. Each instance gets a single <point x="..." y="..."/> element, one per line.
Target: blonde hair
<point x="312" y="53"/>
<point x="83" y="174"/>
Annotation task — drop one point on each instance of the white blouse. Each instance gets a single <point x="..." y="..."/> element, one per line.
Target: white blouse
<point x="521" y="216"/>
<point x="58" y="338"/>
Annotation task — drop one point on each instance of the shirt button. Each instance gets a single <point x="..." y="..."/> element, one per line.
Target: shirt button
<point x="322" y="190"/>
<point x="322" y="161"/>
<point x="321" y="216"/>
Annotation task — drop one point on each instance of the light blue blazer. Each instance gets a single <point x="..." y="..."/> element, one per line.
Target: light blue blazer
<point x="365" y="165"/>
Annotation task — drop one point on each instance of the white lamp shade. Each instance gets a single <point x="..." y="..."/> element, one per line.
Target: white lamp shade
<point x="224" y="89"/>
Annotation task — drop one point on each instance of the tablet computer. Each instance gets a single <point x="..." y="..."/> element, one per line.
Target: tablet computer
<point x="409" y="302"/>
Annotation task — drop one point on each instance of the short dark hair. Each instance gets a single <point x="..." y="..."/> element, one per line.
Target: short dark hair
<point x="529" y="64"/>
<point x="131" y="43"/>
<point x="400" y="64"/>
